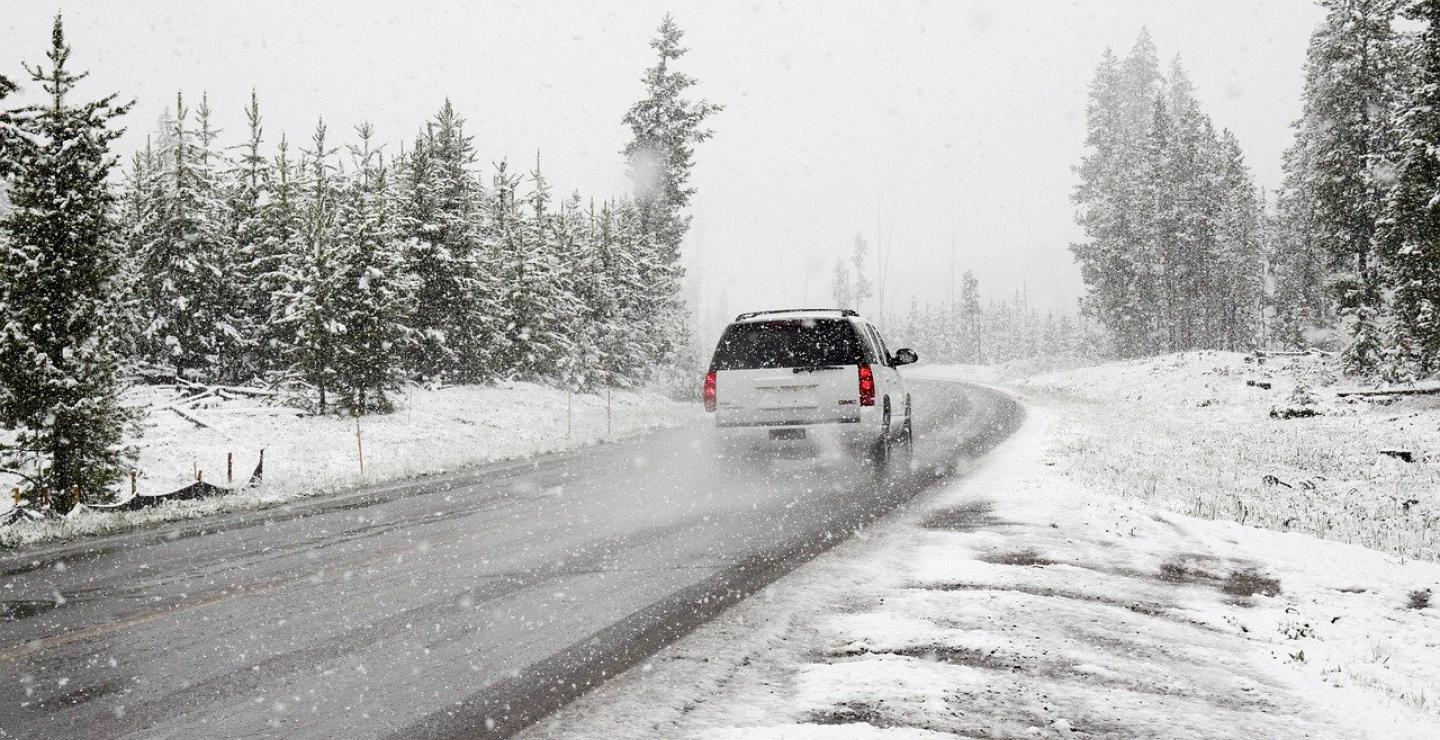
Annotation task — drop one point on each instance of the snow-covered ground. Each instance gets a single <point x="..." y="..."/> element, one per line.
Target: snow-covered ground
<point x="1194" y="433"/>
<point x="1028" y="600"/>
<point x="433" y="431"/>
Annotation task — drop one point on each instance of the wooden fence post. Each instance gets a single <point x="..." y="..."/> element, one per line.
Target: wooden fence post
<point x="359" y="445"/>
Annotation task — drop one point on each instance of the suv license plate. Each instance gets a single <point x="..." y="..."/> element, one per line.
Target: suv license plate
<point x="787" y="434"/>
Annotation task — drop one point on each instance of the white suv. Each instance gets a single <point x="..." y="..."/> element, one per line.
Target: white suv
<point x="821" y="379"/>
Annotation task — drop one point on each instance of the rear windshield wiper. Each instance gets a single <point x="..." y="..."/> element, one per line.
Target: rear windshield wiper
<point x="813" y="368"/>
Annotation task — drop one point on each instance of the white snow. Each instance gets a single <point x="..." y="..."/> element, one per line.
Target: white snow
<point x="434" y="431"/>
<point x="1189" y="433"/>
<point x="1027" y="600"/>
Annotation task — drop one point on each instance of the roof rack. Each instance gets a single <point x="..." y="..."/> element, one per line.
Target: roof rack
<point x="841" y="311"/>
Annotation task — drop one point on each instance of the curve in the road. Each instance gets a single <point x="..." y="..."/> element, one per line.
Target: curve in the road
<point x="464" y="606"/>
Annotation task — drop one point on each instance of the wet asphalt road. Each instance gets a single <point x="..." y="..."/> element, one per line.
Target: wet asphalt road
<point x="464" y="605"/>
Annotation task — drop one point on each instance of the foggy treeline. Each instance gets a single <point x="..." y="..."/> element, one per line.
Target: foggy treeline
<point x="1172" y="257"/>
<point x="332" y="264"/>
<point x="970" y="330"/>
<point x="1181" y="251"/>
<point x="1357" y="230"/>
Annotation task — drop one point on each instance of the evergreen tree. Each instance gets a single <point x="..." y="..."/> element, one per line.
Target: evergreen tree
<point x="254" y="243"/>
<point x="281" y="249"/>
<point x="1411" y="229"/>
<point x="140" y="197"/>
<point x="58" y="365"/>
<point x="859" y="255"/>
<point x="1171" y="256"/>
<point x="970" y="348"/>
<point x="9" y="135"/>
<point x="310" y="297"/>
<point x="585" y="316"/>
<point x="665" y="127"/>
<point x="841" y="289"/>
<point x="373" y="291"/>
<point x="222" y="288"/>
<point x="1336" y="164"/>
<point x="1238" y="277"/>
<point x="1364" y="353"/>
<point x="623" y="333"/>
<point x="538" y="301"/>
<point x="1299" y="268"/>
<point x="1120" y="118"/>
<point x="186" y="264"/>
<point x="456" y="306"/>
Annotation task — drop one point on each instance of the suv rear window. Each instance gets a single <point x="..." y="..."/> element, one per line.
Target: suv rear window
<point x="761" y="345"/>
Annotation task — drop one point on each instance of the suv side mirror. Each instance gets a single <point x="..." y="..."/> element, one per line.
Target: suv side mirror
<point x="904" y="357"/>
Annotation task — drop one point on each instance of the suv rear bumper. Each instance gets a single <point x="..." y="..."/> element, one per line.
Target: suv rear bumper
<point x="842" y="436"/>
<point x="744" y="424"/>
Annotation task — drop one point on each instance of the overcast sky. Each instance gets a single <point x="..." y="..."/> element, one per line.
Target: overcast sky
<point x="934" y="123"/>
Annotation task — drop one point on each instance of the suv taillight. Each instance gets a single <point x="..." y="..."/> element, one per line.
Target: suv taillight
<point x="710" y="391"/>
<point x="867" y="386"/>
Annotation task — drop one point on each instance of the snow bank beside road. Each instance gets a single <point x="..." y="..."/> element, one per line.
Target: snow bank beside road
<point x="1017" y="603"/>
<point x="433" y="431"/>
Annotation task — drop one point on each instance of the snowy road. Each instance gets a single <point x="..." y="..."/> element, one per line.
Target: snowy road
<point x="463" y="605"/>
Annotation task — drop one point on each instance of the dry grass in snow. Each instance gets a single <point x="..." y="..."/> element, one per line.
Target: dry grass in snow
<point x="1195" y="433"/>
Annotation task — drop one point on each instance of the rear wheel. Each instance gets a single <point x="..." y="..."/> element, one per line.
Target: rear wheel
<point x="903" y="456"/>
<point x="882" y="450"/>
<point x="882" y="454"/>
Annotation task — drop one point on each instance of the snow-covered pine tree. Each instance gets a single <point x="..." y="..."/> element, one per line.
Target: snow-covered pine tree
<point x="556" y="308"/>
<point x="9" y="135"/>
<point x="282" y="226"/>
<point x="1301" y="298"/>
<point x="665" y="126"/>
<point x="1119" y="118"/>
<point x="373" y="290"/>
<point x="1157" y="215"/>
<point x="536" y="297"/>
<point x="140" y="196"/>
<point x="188" y="324"/>
<point x="1411" y="226"/>
<point x="1363" y="355"/>
<point x="311" y="309"/>
<point x="1237" y="279"/>
<point x="1195" y="285"/>
<point x="1336" y="168"/>
<point x="841" y="288"/>
<point x="583" y="279"/>
<point x="971" y="348"/>
<point x="247" y="194"/>
<point x="654" y="303"/>
<point x="1400" y="361"/>
<point x="625" y="340"/>
<point x="58" y="363"/>
<point x="859" y="259"/>
<point x="456" y="308"/>
<point x="224" y="289"/>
